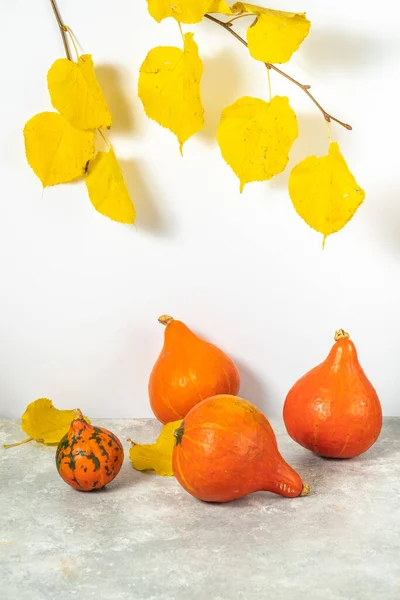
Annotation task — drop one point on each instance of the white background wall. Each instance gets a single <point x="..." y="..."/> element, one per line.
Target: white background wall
<point x="80" y="295"/>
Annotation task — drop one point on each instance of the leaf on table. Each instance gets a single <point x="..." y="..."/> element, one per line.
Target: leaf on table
<point x="158" y="456"/>
<point x="275" y="34"/>
<point x="255" y="137"/>
<point x="44" y="423"/>
<point x="324" y="192"/>
<point x="184" y="11"/>
<point x="76" y="94"/>
<point x="169" y="88"/>
<point x="55" y="150"/>
<point x="107" y="189"/>
<point x="219" y="6"/>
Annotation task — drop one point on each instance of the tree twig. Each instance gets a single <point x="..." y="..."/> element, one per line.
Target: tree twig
<point x="328" y="117"/>
<point x="63" y="29"/>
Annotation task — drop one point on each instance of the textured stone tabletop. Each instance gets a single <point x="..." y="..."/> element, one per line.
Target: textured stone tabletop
<point x="143" y="537"/>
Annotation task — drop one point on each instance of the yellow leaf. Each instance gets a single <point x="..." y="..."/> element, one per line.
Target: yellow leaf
<point x="324" y="192"/>
<point x="255" y="137"/>
<point x="158" y="456"/>
<point x="107" y="189"/>
<point x="76" y="94"/>
<point x="56" y="151"/>
<point x="44" y="423"/>
<point x="275" y="34"/>
<point x="184" y="11"/>
<point x="169" y="88"/>
<point x="219" y="6"/>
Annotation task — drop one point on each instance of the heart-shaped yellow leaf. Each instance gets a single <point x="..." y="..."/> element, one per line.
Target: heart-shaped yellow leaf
<point x="55" y="150"/>
<point x="44" y="423"/>
<point x="275" y="34"/>
<point x="324" y="191"/>
<point x="158" y="456"/>
<point x="255" y="137"/>
<point x="169" y="88"/>
<point x="184" y="11"/>
<point x="107" y="189"/>
<point x="76" y="94"/>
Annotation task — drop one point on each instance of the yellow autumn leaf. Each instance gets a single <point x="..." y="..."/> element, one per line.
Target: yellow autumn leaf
<point x="107" y="189"/>
<point x="219" y="6"/>
<point x="76" y="94"/>
<point x="184" y="11"/>
<point x="275" y="34"/>
<point x="169" y="88"/>
<point x="55" y="150"/>
<point x="255" y="137"/>
<point x="158" y="456"/>
<point x="324" y="192"/>
<point x="44" y="423"/>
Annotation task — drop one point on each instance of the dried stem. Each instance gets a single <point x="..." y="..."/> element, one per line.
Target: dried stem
<point x="306" y="490"/>
<point x="63" y="29"/>
<point x="78" y="415"/>
<point x="165" y="320"/>
<point x="29" y="439"/>
<point x="328" y="117"/>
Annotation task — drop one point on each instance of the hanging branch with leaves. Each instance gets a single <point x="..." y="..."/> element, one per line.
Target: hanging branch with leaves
<point x="60" y="146"/>
<point x="255" y="136"/>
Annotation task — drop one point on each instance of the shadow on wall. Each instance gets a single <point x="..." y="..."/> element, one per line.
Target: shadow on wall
<point x="111" y="83"/>
<point x="149" y="216"/>
<point x="383" y="213"/>
<point x="251" y="389"/>
<point x="333" y="50"/>
<point x="219" y="88"/>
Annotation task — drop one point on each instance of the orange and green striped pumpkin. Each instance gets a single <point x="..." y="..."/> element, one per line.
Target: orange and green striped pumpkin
<point x="88" y="457"/>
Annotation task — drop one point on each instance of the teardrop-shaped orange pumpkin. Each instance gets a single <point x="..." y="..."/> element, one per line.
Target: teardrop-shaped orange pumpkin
<point x="225" y="449"/>
<point x="188" y="370"/>
<point x="88" y="457"/>
<point x="334" y="410"/>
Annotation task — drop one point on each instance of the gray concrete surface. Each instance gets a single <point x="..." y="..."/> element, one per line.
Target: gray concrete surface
<point x="145" y="538"/>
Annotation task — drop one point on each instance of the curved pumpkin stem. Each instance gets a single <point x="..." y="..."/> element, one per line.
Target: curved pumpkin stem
<point x="165" y="320"/>
<point x="341" y="334"/>
<point x="78" y="415"/>
<point x="306" y="490"/>
<point x="178" y="434"/>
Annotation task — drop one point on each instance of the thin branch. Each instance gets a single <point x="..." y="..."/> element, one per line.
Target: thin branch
<point x="63" y="29"/>
<point x="328" y="117"/>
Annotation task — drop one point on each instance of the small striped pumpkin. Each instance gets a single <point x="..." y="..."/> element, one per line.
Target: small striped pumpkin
<point x="88" y="457"/>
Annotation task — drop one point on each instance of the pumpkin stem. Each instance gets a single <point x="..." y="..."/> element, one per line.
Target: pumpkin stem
<point x="341" y="334"/>
<point x="178" y="434"/>
<point x="306" y="490"/>
<point x="29" y="439"/>
<point x="78" y="415"/>
<point x="165" y="320"/>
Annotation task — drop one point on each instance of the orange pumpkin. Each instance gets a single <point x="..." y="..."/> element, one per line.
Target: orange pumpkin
<point x="334" y="410"/>
<point x="187" y="371"/>
<point x="88" y="457"/>
<point x="225" y="448"/>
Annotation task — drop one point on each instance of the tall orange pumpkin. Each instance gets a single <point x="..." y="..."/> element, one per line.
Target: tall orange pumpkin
<point x="187" y="371"/>
<point x="225" y="448"/>
<point x="334" y="410"/>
